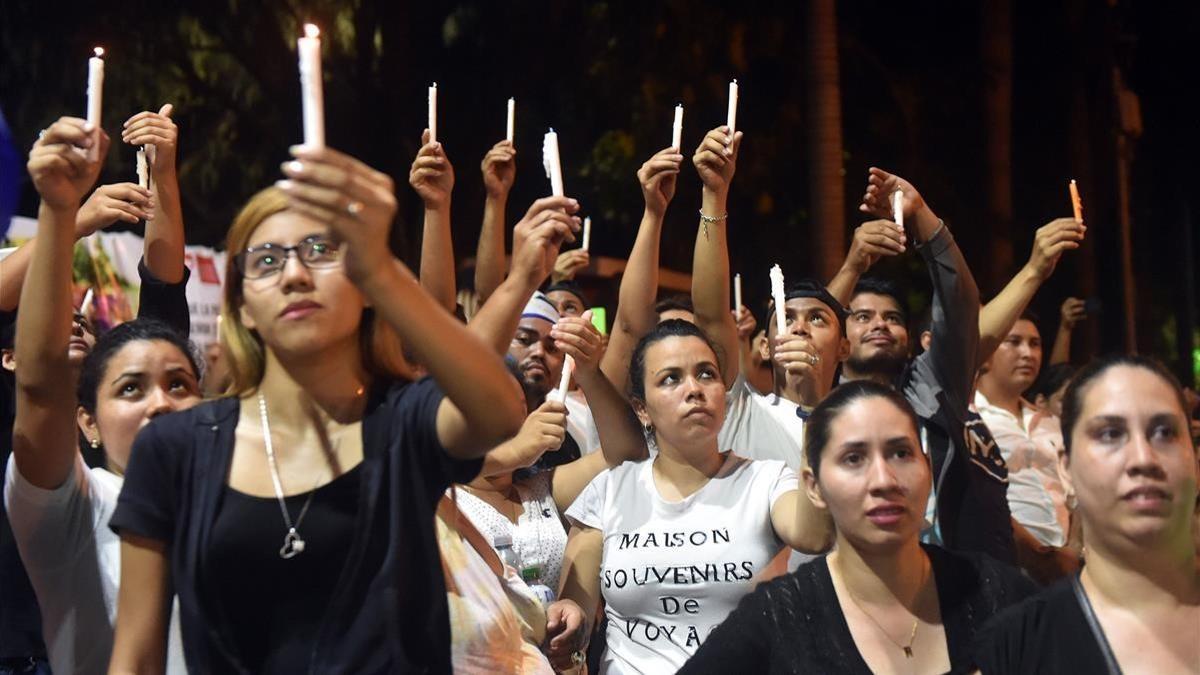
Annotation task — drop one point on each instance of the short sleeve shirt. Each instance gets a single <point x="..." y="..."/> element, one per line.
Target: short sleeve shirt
<point x="671" y="571"/>
<point x="762" y="426"/>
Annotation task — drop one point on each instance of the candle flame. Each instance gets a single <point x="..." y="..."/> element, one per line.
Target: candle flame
<point x="99" y="51"/>
<point x="311" y="30"/>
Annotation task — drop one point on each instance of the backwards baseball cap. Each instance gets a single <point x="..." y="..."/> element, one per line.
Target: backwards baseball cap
<point x="811" y="288"/>
<point x="569" y="286"/>
<point x="540" y="307"/>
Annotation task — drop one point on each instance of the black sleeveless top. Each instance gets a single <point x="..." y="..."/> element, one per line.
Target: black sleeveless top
<point x="275" y="605"/>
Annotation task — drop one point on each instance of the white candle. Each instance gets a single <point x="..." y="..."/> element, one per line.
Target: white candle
<point x="87" y="301"/>
<point x="677" y="129"/>
<point x="552" y="163"/>
<point x="312" y="96"/>
<point x="780" y="298"/>
<point x="512" y="118"/>
<point x="95" y="98"/>
<point x="143" y="170"/>
<point x="587" y="232"/>
<point x="564" y="383"/>
<point x="737" y="292"/>
<point x="733" y="102"/>
<point x="898" y="208"/>
<point x="433" y="113"/>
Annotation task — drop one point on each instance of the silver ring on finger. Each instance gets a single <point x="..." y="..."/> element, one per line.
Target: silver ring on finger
<point x="813" y="359"/>
<point x="354" y="208"/>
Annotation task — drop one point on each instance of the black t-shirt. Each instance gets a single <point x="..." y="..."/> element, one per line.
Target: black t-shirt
<point x="1047" y="633"/>
<point x="273" y="604"/>
<point x="794" y="624"/>
<point x="388" y="612"/>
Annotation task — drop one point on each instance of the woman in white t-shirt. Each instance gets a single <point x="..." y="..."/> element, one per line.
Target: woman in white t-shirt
<point x="59" y="508"/>
<point x="672" y="543"/>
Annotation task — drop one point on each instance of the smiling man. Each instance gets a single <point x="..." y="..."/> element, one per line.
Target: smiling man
<point x="878" y="333"/>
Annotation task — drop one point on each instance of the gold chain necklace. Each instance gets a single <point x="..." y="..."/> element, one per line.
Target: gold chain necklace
<point x="912" y="636"/>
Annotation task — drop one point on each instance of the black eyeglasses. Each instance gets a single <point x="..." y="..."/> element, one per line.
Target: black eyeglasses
<point x="314" y="252"/>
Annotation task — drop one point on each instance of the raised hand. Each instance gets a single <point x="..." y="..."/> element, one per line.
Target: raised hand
<point x="802" y="364"/>
<point x="569" y="263"/>
<point x="1051" y="240"/>
<point x="543" y="431"/>
<point x="576" y="336"/>
<point x="566" y="633"/>
<point x="873" y="240"/>
<point x="127" y="202"/>
<point x="357" y="202"/>
<point x="746" y="323"/>
<point x="658" y="177"/>
<point x="158" y="133"/>
<point x="1073" y="311"/>
<point x="432" y="175"/>
<point x="877" y="200"/>
<point x="716" y="159"/>
<point x="499" y="169"/>
<point x="541" y="233"/>
<point x="61" y="174"/>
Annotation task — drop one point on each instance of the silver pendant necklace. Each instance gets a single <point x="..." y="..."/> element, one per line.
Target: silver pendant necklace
<point x="293" y="543"/>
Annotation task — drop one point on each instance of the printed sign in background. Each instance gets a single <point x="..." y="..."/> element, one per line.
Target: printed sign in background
<point x="108" y="262"/>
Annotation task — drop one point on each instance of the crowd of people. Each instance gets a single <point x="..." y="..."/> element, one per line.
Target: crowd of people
<point x="372" y="475"/>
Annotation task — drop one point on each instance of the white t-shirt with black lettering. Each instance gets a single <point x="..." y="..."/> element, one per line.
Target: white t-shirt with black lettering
<point x="672" y="571"/>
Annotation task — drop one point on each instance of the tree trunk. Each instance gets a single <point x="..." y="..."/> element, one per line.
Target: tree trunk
<point x="996" y="45"/>
<point x="826" y="173"/>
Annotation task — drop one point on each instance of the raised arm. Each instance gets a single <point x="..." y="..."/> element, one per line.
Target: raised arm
<point x="432" y="176"/>
<point x="499" y="170"/>
<point x="715" y="160"/>
<point x="950" y="362"/>
<point x="536" y="242"/>
<point x="800" y="524"/>
<point x="44" y="431"/>
<point x="1073" y="311"/>
<point x="621" y="437"/>
<point x="107" y="204"/>
<point x="580" y="578"/>
<point x="873" y="240"/>
<point x="164" y="231"/>
<point x="999" y="315"/>
<point x="483" y="403"/>
<point x="639" y="283"/>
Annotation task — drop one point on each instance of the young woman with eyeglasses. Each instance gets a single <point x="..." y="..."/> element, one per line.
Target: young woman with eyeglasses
<point x="295" y="518"/>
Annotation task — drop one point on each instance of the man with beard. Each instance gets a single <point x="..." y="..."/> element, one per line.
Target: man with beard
<point x="968" y="509"/>
<point x="540" y="364"/>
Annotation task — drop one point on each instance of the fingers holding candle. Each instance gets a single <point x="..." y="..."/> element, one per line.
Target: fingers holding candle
<point x="658" y="176"/>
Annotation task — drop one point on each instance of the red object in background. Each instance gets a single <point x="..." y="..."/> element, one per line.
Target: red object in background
<point x="205" y="267"/>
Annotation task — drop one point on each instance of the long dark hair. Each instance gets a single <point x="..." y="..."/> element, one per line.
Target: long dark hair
<point x="1072" y="406"/>
<point x="107" y="346"/>
<point x="817" y="428"/>
<point x="664" y="330"/>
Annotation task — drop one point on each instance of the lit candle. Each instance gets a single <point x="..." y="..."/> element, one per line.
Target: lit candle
<point x="95" y="96"/>
<point x="143" y="170"/>
<point x="1076" y="202"/>
<point x="552" y="163"/>
<point x="733" y="101"/>
<point x="512" y="118"/>
<point x="587" y="232"/>
<point x="737" y="292"/>
<point x="312" y="96"/>
<point x="677" y="129"/>
<point x="433" y="113"/>
<point x="780" y="298"/>
<point x="898" y="208"/>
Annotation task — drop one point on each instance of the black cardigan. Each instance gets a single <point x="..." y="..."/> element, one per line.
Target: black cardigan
<point x="389" y="612"/>
<point x="794" y="624"/>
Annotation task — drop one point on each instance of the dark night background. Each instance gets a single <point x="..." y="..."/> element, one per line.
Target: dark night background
<point x="988" y="108"/>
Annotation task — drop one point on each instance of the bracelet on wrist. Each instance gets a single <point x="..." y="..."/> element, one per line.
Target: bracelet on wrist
<point x="712" y="219"/>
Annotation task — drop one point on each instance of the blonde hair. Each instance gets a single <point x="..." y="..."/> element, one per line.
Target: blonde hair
<point x="244" y="350"/>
